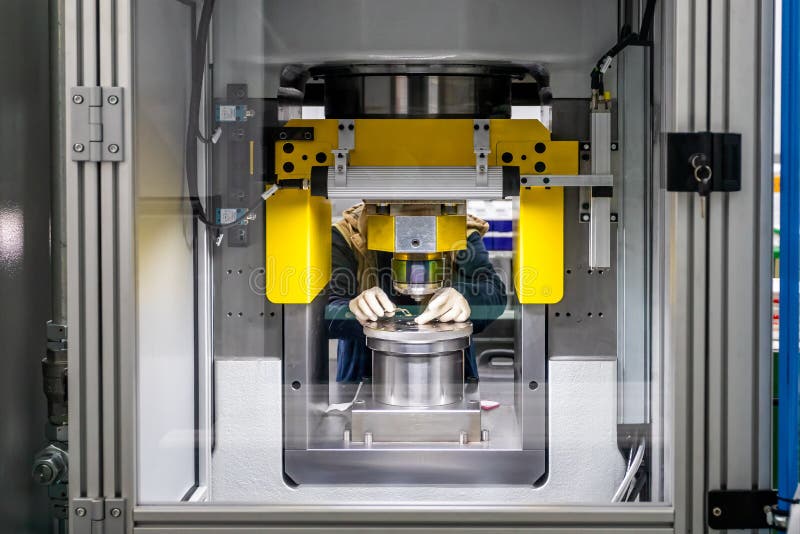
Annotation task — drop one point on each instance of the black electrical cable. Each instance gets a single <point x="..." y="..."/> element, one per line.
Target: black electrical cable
<point x="193" y="126"/>
<point x="628" y="38"/>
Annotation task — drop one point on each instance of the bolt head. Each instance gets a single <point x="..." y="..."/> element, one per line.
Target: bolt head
<point x="78" y="99"/>
<point x="585" y="217"/>
<point x="717" y="511"/>
<point x="78" y="147"/>
<point x="116" y="512"/>
<point x="80" y="512"/>
<point x="585" y="146"/>
<point x="113" y="100"/>
<point x="113" y="148"/>
<point x="614" y="146"/>
<point x="43" y="474"/>
<point x="614" y="217"/>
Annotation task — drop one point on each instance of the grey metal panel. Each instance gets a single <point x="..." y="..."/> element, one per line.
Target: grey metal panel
<point x="530" y="375"/>
<point x="633" y="192"/>
<point x="305" y="371"/>
<point x="416" y="466"/>
<point x="584" y="323"/>
<point x="24" y="264"/>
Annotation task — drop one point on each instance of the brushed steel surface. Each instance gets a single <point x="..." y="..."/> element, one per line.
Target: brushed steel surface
<point x="418" y="94"/>
<point x="417" y="365"/>
<point x="417" y="424"/>
<point x="407" y="331"/>
<point x="471" y="464"/>
<point x="420" y="380"/>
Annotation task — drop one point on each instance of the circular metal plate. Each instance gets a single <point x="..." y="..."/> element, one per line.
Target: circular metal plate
<point x="405" y="330"/>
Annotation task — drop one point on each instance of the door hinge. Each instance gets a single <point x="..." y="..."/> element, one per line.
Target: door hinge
<point x="98" y="515"/>
<point x="744" y="509"/>
<point x="96" y="124"/>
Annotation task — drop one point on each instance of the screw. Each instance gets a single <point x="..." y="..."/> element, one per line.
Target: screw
<point x="113" y="100"/>
<point x="78" y="99"/>
<point x="717" y="511"/>
<point x="585" y="217"/>
<point x="585" y="146"/>
<point x="614" y="146"/>
<point x="113" y="148"/>
<point x="116" y="512"/>
<point x="78" y="147"/>
<point x="80" y="512"/>
<point x="614" y="217"/>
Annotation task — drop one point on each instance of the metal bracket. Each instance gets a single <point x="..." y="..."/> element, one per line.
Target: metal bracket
<point x="719" y="153"/>
<point x="96" y="126"/>
<point x="600" y="198"/>
<point x="340" y="158"/>
<point x="347" y="134"/>
<point x="347" y="142"/>
<point x="740" y="509"/>
<point x="480" y="144"/>
<point x="99" y="515"/>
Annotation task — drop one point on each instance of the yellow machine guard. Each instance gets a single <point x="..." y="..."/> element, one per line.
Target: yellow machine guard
<point x="298" y="239"/>
<point x="539" y="245"/>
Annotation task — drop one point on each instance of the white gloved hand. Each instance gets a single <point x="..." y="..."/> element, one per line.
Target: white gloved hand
<point x="371" y="304"/>
<point x="446" y="305"/>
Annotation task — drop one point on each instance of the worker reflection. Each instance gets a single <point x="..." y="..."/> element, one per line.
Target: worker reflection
<point x="361" y="290"/>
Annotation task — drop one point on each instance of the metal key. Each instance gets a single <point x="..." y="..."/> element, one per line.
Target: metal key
<point x="702" y="174"/>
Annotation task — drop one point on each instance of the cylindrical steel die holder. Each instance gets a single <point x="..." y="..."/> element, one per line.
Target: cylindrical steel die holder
<point x="417" y="366"/>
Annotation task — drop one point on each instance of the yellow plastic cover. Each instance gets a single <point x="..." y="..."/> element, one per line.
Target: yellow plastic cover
<point x="298" y="239"/>
<point x="539" y="245"/>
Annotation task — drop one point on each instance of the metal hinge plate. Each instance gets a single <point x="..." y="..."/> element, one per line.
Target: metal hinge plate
<point x="98" y="515"/>
<point x="96" y="126"/>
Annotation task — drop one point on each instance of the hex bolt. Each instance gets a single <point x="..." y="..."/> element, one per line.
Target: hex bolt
<point x="113" y="100"/>
<point x="78" y="147"/>
<point x="78" y="99"/>
<point x="113" y="148"/>
<point x="116" y="512"/>
<point x="43" y="474"/>
<point x="717" y="511"/>
<point x="80" y="512"/>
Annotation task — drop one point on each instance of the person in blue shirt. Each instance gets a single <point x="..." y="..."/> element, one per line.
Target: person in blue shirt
<point x="361" y="290"/>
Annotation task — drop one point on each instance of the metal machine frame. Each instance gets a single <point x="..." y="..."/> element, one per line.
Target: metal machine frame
<point x="710" y="290"/>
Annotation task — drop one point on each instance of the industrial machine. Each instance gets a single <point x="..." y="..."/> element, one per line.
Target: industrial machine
<point x="213" y="145"/>
<point x="415" y="141"/>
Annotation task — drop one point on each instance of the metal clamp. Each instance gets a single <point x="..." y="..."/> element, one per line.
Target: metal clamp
<point x="347" y="142"/>
<point x="340" y="158"/>
<point x="480" y="144"/>
<point x="96" y="125"/>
